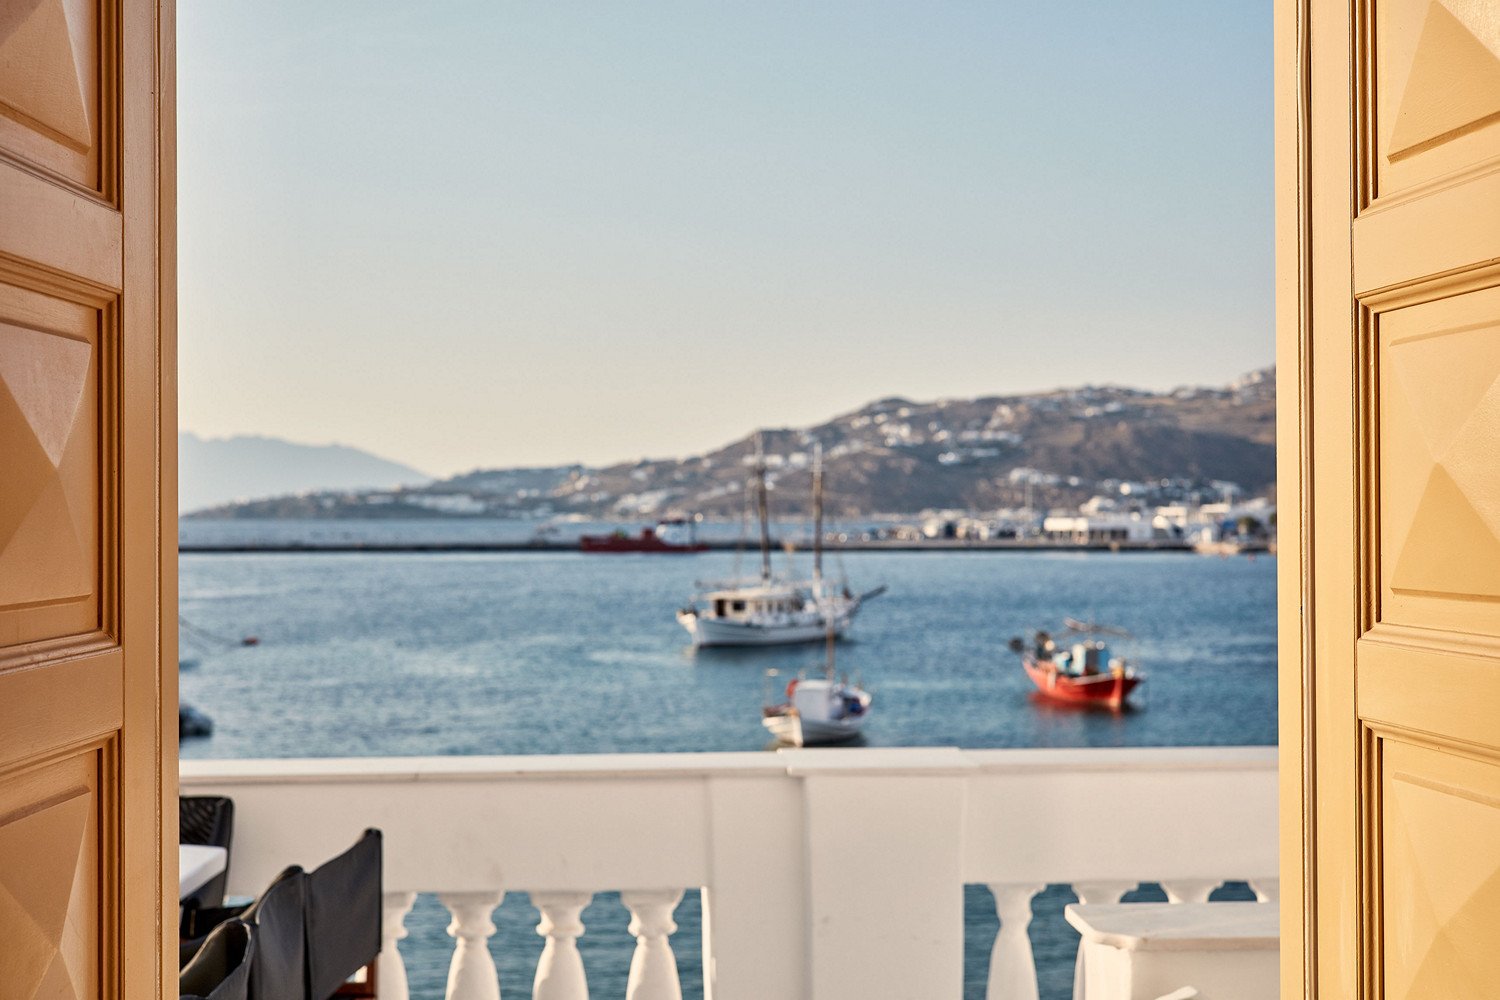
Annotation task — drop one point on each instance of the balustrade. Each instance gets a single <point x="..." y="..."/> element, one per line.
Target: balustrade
<point x="1102" y="892"/>
<point x="653" y="967"/>
<point x="1267" y="890"/>
<point x="1012" y="966"/>
<point x="472" y="975"/>
<point x="1189" y="890"/>
<point x="773" y="840"/>
<point x="390" y="970"/>
<point x="559" y="972"/>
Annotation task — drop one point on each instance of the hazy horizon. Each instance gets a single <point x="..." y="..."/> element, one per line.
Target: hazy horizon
<point x="479" y="235"/>
<point x="623" y="459"/>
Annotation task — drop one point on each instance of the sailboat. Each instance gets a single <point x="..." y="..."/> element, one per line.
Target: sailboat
<point x="771" y="611"/>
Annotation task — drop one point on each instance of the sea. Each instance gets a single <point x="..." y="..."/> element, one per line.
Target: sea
<point x="550" y="652"/>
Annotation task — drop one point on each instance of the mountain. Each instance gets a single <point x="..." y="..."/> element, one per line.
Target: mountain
<point x="214" y="472"/>
<point x="899" y="456"/>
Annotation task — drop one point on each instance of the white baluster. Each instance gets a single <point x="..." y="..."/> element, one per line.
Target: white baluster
<point x="390" y="971"/>
<point x="1190" y="890"/>
<point x="1012" y="966"/>
<point x="472" y="974"/>
<point x="1267" y="890"/>
<point x="1101" y="892"/>
<point x="653" y="967"/>
<point x="1106" y="891"/>
<point x="559" y="972"/>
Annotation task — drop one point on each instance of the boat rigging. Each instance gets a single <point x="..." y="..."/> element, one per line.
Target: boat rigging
<point x="771" y="611"/>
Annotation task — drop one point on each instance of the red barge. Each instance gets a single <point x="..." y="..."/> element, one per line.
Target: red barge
<point x="675" y="534"/>
<point x="1085" y="674"/>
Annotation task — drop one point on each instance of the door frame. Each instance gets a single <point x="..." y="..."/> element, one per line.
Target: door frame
<point x="146" y="493"/>
<point x="1291" y="52"/>
<point x="1324" y="149"/>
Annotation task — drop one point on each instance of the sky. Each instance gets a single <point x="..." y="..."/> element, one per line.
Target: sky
<point x="466" y="235"/>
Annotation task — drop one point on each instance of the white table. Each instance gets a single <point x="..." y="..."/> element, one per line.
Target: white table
<point x="196" y="864"/>
<point x="1144" y="951"/>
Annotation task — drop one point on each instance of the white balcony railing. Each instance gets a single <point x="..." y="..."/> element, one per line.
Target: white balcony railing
<point x="824" y="873"/>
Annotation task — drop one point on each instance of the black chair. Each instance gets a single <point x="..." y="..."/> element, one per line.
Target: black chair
<point x="313" y="931"/>
<point x="343" y="920"/>
<point x="285" y="897"/>
<point x="279" y="971"/>
<point x="206" y="819"/>
<point x="221" y="968"/>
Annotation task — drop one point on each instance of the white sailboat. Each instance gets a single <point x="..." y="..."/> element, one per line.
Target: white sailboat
<point x="770" y="611"/>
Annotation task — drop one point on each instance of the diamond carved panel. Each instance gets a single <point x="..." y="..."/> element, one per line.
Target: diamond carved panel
<point x="40" y="75"/>
<point x="1438" y="88"/>
<point x="50" y="516"/>
<point x="1440" y="877"/>
<point x="51" y="862"/>
<point x="52" y="84"/>
<point x="1439" y="495"/>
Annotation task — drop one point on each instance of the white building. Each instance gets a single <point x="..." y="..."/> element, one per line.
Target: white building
<point x="1102" y="527"/>
<point x="445" y="503"/>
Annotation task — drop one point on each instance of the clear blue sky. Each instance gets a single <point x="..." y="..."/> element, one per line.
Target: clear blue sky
<point x="492" y="233"/>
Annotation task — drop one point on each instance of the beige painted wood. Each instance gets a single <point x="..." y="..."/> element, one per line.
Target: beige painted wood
<point x="1293" y="567"/>
<point x="1388" y="235"/>
<point x="87" y="500"/>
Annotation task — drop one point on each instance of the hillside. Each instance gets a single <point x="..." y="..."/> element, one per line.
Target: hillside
<point x="896" y="456"/>
<point x="214" y="472"/>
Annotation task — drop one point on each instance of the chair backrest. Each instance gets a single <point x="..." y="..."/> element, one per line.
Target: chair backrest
<point x="343" y="915"/>
<point x="209" y="820"/>
<point x="279" y="971"/>
<point x="221" y="969"/>
<point x="205" y="819"/>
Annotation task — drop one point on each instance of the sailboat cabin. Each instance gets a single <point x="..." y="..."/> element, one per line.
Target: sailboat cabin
<point x="758" y="602"/>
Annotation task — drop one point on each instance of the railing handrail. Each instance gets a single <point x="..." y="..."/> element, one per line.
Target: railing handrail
<point x="1026" y="812"/>
<point x="285" y="770"/>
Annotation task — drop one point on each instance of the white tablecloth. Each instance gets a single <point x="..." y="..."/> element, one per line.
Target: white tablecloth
<point x="196" y="864"/>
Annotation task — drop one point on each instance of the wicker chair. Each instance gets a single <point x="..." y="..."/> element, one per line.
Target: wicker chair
<point x="206" y="819"/>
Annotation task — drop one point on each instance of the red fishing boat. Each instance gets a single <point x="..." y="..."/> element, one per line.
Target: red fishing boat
<point x="1079" y="669"/>
<point x="675" y="534"/>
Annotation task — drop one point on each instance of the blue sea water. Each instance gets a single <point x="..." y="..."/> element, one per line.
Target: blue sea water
<point x="486" y="654"/>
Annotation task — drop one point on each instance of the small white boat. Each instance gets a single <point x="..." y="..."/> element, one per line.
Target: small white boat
<point x="818" y="711"/>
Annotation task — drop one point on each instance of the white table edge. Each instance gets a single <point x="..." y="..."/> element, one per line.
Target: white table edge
<point x="1138" y="942"/>
<point x="197" y="864"/>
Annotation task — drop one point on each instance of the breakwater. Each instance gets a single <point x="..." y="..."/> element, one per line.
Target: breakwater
<point x="861" y="545"/>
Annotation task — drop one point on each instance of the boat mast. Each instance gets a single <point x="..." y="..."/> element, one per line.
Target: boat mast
<point x="818" y="518"/>
<point x="761" y="508"/>
<point x="829" y="638"/>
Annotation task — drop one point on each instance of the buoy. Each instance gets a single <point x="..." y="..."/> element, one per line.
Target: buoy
<point x="250" y="640"/>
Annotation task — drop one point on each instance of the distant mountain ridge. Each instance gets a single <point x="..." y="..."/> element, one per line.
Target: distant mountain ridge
<point x="892" y="456"/>
<point x="215" y="472"/>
